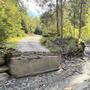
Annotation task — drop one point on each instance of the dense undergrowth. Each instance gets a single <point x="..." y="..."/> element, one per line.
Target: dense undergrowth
<point x="67" y="45"/>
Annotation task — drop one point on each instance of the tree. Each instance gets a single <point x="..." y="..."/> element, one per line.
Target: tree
<point x="82" y="13"/>
<point x="61" y="17"/>
<point x="70" y="12"/>
<point x="77" y="14"/>
<point x="57" y="16"/>
<point x="10" y="26"/>
<point x="50" y="12"/>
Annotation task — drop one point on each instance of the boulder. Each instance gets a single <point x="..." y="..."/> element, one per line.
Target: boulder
<point x="3" y="69"/>
<point x="87" y="50"/>
<point x="3" y="76"/>
<point x="2" y="61"/>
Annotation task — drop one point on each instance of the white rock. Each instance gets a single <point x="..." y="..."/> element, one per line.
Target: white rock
<point x="3" y="76"/>
<point x="3" y="69"/>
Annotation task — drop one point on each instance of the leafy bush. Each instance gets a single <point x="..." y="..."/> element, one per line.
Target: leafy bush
<point x="65" y="46"/>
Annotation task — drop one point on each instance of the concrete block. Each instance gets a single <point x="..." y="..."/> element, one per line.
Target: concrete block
<point x="24" y="66"/>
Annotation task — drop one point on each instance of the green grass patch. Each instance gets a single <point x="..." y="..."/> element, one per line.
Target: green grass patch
<point x="11" y="42"/>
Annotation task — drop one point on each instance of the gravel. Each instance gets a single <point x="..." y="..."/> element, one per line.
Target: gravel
<point x="57" y="80"/>
<point x="31" y="43"/>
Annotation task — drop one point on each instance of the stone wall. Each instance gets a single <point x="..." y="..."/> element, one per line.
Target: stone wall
<point x="32" y="63"/>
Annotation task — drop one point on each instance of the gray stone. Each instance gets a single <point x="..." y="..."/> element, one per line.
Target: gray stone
<point x="23" y="66"/>
<point x="2" y="61"/>
<point x="16" y="53"/>
<point x="3" y="69"/>
<point x="3" y="76"/>
<point x="87" y="51"/>
<point x="37" y="53"/>
<point x="13" y="52"/>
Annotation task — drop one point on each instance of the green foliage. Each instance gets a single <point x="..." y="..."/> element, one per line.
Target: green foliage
<point x="74" y="25"/>
<point x="55" y="44"/>
<point x="14" y="21"/>
<point x="10" y="20"/>
<point x="85" y="35"/>
<point x="12" y="42"/>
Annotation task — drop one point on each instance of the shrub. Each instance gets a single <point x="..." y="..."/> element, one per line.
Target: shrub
<point x="67" y="45"/>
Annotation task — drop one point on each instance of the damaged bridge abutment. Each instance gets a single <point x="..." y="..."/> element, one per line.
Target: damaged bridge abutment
<point x="31" y="63"/>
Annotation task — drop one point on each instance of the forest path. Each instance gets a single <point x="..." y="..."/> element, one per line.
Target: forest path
<point x="31" y="43"/>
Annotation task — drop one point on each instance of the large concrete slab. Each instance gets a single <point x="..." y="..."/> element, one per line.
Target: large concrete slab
<point x="24" y="66"/>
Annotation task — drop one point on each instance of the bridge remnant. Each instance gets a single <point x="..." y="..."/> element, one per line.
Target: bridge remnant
<point x="32" y="63"/>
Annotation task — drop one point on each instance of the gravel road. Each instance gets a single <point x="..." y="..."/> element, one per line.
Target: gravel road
<point x="31" y="43"/>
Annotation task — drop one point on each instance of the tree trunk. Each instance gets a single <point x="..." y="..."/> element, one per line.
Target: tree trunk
<point x="61" y="18"/>
<point x="57" y="17"/>
<point x="74" y="23"/>
<point x="80" y="19"/>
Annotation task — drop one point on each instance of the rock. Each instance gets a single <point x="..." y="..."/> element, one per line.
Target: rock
<point x="2" y="61"/>
<point x="68" y="88"/>
<point x="3" y="69"/>
<point x="85" y="58"/>
<point x="15" y="53"/>
<point x="12" y="52"/>
<point x="87" y="51"/>
<point x="3" y="76"/>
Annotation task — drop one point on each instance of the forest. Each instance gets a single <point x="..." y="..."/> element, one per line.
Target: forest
<point x="63" y="19"/>
<point x="44" y="44"/>
<point x="68" y="18"/>
<point x="66" y="21"/>
<point x="14" y="21"/>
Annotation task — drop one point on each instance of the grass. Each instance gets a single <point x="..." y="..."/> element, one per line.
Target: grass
<point x="11" y="42"/>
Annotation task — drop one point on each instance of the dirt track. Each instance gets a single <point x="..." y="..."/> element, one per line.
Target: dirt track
<point x="31" y="43"/>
